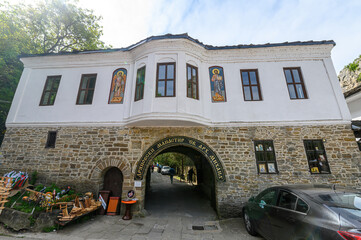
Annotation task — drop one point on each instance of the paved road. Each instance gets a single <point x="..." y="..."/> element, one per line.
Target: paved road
<point x="173" y="210"/>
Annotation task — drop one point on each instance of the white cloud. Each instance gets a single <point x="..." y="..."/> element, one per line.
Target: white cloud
<point x="232" y="22"/>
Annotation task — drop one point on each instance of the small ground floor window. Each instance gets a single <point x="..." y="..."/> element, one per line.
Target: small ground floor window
<point x="316" y="156"/>
<point x="265" y="156"/>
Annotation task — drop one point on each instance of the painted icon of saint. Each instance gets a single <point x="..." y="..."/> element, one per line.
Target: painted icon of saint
<point x="217" y="84"/>
<point x="118" y="86"/>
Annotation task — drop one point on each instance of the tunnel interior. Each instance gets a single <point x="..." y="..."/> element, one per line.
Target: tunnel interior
<point x="204" y="176"/>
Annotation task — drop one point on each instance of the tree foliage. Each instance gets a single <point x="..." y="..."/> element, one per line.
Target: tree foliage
<point x="49" y="27"/>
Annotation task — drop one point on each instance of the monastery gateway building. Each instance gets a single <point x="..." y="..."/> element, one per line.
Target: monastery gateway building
<point x="249" y="116"/>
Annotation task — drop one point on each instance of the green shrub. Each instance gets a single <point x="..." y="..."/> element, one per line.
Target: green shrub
<point x="32" y="221"/>
<point x="34" y="177"/>
<point x="353" y="66"/>
<point x="49" y="229"/>
<point x="358" y="78"/>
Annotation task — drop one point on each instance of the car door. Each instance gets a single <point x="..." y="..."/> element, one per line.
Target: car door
<point x="264" y="202"/>
<point x="287" y="216"/>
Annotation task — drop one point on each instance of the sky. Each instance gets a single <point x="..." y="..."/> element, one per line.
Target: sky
<point x="233" y="22"/>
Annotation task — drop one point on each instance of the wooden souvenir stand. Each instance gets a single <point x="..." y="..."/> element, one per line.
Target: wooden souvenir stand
<point x="5" y="187"/>
<point x="80" y="208"/>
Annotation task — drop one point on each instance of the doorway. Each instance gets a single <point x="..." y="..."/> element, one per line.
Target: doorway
<point x="113" y="181"/>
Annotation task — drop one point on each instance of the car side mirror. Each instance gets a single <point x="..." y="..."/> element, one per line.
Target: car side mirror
<point x="262" y="204"/>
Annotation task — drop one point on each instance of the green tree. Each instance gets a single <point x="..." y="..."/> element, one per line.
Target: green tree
<point x="173" y="160"/>
<point x="49" y="27"/>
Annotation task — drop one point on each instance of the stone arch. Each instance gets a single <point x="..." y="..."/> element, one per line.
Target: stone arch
<point x="102" y="165"/>
<point x="205" y="150"/>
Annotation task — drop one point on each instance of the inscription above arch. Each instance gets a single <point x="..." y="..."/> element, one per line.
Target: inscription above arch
<point x="159" y="146"/>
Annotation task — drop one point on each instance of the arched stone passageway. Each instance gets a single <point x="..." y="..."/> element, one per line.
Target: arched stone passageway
<point x="210" y="171"/>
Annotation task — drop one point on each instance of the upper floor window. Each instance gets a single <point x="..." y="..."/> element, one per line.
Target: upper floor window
<point x="251" y="87"/>
<point x="86" y="89"/>
<point x="265" y="156"/>
<point x="316" y="156"/>
<point x="139" y="88"/>
<point x="165" y="80"/>
<point x="192" y="82"/>
<point x="296" y="87"/>
<point x="50" y="90"/>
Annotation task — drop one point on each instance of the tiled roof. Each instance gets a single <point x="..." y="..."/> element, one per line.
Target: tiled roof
<point x="185" y="36"/>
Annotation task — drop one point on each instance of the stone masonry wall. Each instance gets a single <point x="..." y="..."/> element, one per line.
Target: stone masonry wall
<point x="83" y="154"/>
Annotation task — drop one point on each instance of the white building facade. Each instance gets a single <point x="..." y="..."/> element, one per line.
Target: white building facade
<point x="250" y="116"/>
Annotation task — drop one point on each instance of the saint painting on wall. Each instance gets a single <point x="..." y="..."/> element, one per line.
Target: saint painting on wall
<point x="118" y="86"/>
<point x="218" y="88"/>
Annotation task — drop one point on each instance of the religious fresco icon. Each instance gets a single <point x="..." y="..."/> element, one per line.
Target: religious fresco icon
<point x="218" y="89"/>
<point x="118" y="86"/>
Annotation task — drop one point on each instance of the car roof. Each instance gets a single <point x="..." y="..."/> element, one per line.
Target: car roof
<point x="313" y="190"/>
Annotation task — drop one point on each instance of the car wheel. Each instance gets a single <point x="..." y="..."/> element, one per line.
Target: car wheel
<point x="248" y="223"/>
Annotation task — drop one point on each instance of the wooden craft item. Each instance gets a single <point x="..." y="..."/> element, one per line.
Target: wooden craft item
<point x="5" y="187"/>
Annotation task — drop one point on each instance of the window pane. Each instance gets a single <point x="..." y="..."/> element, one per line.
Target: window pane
<point x="161" y="90"/>
<point x="255" y="92"/>
<point x="48" y="84"/>
<point x="189" y="90"/>
<point x="301" y="206"/>
<point x="318" y="145"/>
<point x="268" y="145"/>
<point x="288" y="76"/>
<point x="161" y="73"/>
<point x="247" y="93"/>
<point x="46" y="98"/>
<point x="287" y="200"/>
<point x="252" y="75"/>
<point x="268" y="197"/>
<point x="92" y="82"/>
<point x="89" y="97"/>
<point x="300" y="91"/>
<point x="308" y="145"/>
<point x="84" y="83"/>
<point x="170" y="71"/>
<point x="81" y="97"/>
<point x="245" y="78"/>
<point x="296" y="76"/>
<point x="194" y="75"/>
<point x="56" y="84"/>
<point x="270" y="156"/>
<point x="260" y="157"/>
<point x="291" y="90"/>
<point x="170" y="88"/>
<point x="141" y="91"/>
<point x="141" y="75"/>
<point x="189" y="73"/>
<point x="137" y="93"/>
<point x="194" y="90"/>
<point x="52" y="98"/>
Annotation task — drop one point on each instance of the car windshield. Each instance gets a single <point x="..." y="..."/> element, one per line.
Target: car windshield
<point x="165" y="167"/>
<point x="346" y="204"/>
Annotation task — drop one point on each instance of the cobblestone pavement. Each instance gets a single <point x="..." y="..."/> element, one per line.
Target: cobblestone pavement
<point x="173" y="210"/>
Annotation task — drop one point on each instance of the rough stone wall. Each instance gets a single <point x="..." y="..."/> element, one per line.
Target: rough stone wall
<point x="350" y="79"/>
<point x="83" y="154"/>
